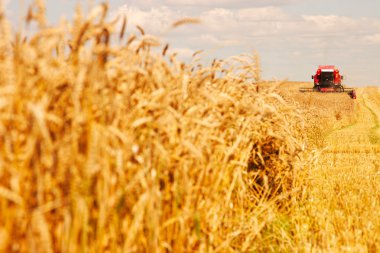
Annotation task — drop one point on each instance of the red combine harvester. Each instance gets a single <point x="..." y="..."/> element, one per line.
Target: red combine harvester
<point x="328" y="79"/>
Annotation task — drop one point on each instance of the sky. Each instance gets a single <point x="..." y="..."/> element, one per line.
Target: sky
<point x="292" y="37"/>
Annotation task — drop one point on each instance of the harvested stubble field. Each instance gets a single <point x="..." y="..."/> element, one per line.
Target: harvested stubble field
<point x="108" y="146"/>
<point x="339" y="212"/>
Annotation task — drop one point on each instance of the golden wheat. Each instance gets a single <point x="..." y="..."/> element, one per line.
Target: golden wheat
<point x="338" y="210"/>
<point x="112" y="148"/>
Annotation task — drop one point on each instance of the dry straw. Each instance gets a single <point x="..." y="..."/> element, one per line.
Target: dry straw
<point x="107" y="148"/>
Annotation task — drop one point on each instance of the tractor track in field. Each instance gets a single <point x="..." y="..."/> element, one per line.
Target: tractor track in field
<point x="344" y="185"/>
<point x="373" y="135"/>
<point x="362" y="137"/>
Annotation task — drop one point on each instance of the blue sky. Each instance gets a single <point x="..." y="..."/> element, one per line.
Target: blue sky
<point x="292" y="36"/>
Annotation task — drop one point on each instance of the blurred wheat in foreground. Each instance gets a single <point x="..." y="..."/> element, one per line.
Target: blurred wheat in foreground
<point x="112" y="148"/>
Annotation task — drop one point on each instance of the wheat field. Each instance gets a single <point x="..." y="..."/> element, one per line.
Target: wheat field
<point x="109" y="143"/>
<point x="339" y="212"/>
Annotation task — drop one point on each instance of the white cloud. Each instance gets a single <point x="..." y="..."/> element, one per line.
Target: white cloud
<point x="228" y="3"/>
<point x="239" y="24"/>
<point x="261" y="14"/>
<point x="282" y="38"/>
<point x="228" y="27"/>
<point x="155" y="20"/>
<point x="231" y="26"/>
<point x="213" y="40"/>
<point x="331" y="23"/>
<point x="218" y="20"/>
<point x="372" y="39"/>
<point x="201" y="4"/>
